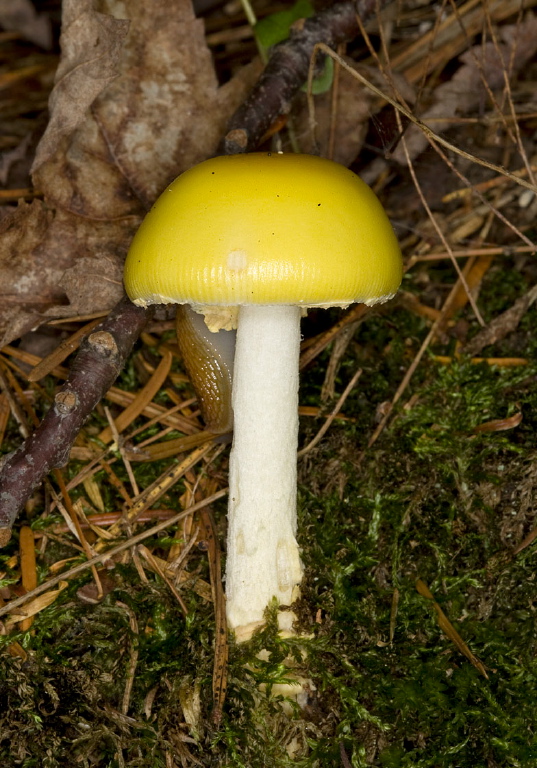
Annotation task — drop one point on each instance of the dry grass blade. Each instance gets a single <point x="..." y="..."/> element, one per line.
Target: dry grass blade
<point x="447" y="40"/>
<point x="152" y="562"/>
<point x="8" y="79"/>
<point x="500" y="425"/>
<point x="133" y="654"/>
<point x="117" y="441"/>
<point x="505" y="362"/>
<point x="14" y="407"/>
<point x="462" y="279"/>
<point x="474" y="273"/>
<point x="34" y="606"/>
<point x="339" y="348"/>
<point x="449" y="630"/>
<point x="404" y="383"/>
<point x="27" y="357"/>
<point x="221" y="648"/>
<point x="484" y="186"/>
<point x="28" y="566"/>
<point x="73" y="517"/>
<point x="356" y="313"/>
<point x="115" y="395"/>
<point x="333" y="414"/>
<point x="168" y="448"/>
<point x="499" y="251"/>
<point x="526" y="542"/>
<point x="163" y="484"/>
<point x="502" y="325"/>
<point x="15" y="194"/>
<point x="4" y="416"/>
<point x="182" y="577"/>
<point x="153" y="411"/>
<point x="393" y="613"/>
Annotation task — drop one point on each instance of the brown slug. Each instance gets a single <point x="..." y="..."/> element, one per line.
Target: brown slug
<point x="208" y="359"/>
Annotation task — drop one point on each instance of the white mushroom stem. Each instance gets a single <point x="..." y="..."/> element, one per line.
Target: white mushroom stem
<point x="263" y="559"/>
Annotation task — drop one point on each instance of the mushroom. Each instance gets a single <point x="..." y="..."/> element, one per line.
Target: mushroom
<point x="252" y="241"/>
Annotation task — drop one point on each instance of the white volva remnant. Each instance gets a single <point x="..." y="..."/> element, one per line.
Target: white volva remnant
<point x="263" y="558"/>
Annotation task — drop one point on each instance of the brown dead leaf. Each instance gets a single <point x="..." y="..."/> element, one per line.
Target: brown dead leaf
<point x="355" y="105"/>
<point x="91" y="47"/>
<point x="28" y="287"/>
<point x="136" y="102"/>
<point x="466" y="90"/>
<point x="499" y="425"/>
<point x="502" y="325"/>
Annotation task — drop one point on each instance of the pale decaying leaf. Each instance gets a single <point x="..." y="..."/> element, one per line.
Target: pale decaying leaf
<point x="466" y="90"/>
<point x="136" y="102"/>
<point x="91" y="46"/>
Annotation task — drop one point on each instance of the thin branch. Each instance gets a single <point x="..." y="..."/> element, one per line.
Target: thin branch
<point x="96" y="366"/>
<point x="287" y="71"/>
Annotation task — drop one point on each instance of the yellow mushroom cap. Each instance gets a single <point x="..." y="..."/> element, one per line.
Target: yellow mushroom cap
<point x="265" y="229"/>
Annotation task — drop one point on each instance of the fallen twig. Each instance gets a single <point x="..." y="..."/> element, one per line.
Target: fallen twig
<point x="287" y="70"/>
<point x="99" y="361"/>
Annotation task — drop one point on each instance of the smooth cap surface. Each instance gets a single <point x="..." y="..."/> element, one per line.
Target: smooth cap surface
<point x="265" y="229"/>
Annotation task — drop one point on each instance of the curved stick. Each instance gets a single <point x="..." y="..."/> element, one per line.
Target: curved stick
<point x="287" y="71"/>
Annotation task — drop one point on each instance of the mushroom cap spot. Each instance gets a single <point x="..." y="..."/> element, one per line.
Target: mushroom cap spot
<point x="265" y="229"/>
<point x="237" y="260"/>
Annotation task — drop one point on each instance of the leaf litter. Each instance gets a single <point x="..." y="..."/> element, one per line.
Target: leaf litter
<point x="128" y="113"/>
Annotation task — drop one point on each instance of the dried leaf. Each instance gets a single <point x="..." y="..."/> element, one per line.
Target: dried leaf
<point x="38" y="604"/>
<point x="136" y="102"/>
<point x="28" y="286"/>
<point x="500" y="425"/>
<point x="449" y="630"/>
<point x="502" y="325"/>
<point x="91" y="47"/>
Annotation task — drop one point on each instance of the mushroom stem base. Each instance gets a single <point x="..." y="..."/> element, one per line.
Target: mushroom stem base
<point x="263" y="560"/>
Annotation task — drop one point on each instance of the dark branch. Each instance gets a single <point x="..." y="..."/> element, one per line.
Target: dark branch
<point x="100" y="359"/>
<point x="287" y="71"/>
